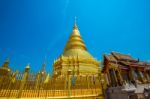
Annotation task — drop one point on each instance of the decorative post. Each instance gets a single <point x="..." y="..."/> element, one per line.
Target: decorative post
<point x="24" y="79"/>
<point x="37" y="81"/>
<point x="87" y="79"/>
<point x="69" y="82"/>
<point x="102" y="84"/>
<point x="13" y="79"/>
<point x="55" y="76"/>
<point x="46" y="81"/>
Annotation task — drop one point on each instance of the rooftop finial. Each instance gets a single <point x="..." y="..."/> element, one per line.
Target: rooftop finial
<point x="75" y="23"/>
<point x="6" y="63"/>
<point x="28" y="65"/>
<point x="44" y="65"/>
<point x="75" y="19"/>
<point x="7" y="60"/>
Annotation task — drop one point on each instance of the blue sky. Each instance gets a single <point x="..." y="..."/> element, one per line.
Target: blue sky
<point x="33" y="29"/>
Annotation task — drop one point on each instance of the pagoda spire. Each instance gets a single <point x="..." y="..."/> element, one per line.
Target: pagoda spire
<point x="75" y="23"/>
<point x="43" y="71"/>
<point x="75" y="40"/>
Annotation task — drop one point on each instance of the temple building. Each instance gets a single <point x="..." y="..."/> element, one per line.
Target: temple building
<point x="120" y="68"/>
<point x="126" y="77"/>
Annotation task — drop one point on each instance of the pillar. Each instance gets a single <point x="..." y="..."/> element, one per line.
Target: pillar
<point x="120" y="77"/>
<point x="141" y="76"/>
<point x="132" y="74"/>
<point x="23" y="81"/>
<point x="109" y="79"/>
<point x="147" y="76"/>
<point x="69" y="83"/>
<point x="116" y="81"/>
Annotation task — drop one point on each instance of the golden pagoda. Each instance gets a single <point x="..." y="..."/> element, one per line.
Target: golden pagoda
<point x="76" y="57"/>
<point x="76" y="74"/>
<point x="76" y="70"/>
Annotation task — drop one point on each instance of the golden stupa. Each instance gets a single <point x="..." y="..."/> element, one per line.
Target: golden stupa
<point x="76" y="74"/>
<point x="76" y="57"/>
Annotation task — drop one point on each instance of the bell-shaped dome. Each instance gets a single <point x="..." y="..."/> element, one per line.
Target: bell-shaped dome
<point x="75" y="41"/>
<point x="75" y="45"/>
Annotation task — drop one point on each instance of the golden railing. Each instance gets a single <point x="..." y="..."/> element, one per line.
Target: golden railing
<point x="25" y="85"/>
<point x="49" y="93"/>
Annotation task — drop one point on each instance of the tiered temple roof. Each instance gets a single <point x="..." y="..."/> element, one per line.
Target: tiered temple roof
<point x="120" y="68"/>
<point x="122" y="57"/>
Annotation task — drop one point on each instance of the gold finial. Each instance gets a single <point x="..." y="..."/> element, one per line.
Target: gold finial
<point x="28" y="66"/>
<point x="75" y="19"/>
<point x="7" y="60"/>
<point x="6" y="63"/>
<point x="75" y="23"/>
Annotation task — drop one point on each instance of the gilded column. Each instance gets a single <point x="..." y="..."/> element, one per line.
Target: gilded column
<point x="69" y="82"/>
<point x="37" y="81"/>
<point x="23" y="81"/>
